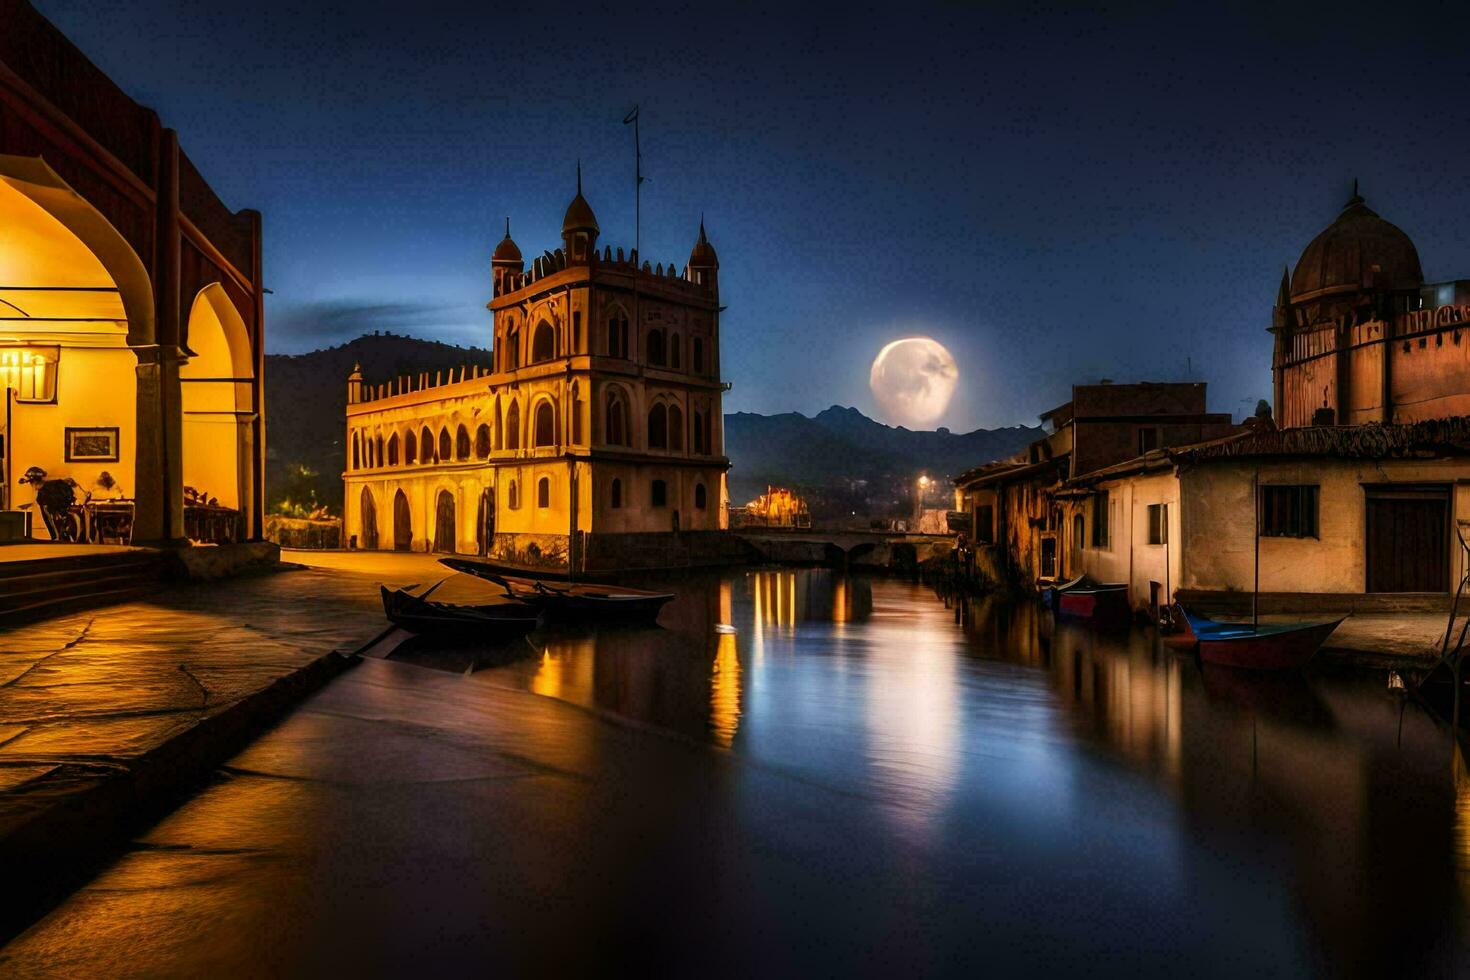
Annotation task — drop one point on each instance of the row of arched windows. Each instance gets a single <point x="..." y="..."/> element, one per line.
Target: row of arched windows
<point x="665" y="426"/>
<point x="369" y="452"/>
<point x="660" y="349"/>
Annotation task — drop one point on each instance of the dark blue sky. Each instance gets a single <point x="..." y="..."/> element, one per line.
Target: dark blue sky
<point x="1055" y="195"/>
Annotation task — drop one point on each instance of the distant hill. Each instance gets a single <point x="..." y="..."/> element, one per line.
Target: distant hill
<point x="841" y="459"/>
<point x="843" y="454"/>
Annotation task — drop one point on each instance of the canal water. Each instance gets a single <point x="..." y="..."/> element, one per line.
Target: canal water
<point x="1085" y="794"/>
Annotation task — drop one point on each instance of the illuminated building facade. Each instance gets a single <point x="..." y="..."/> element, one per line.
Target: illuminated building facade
<point x="599" y="420"/>
<point x="130" y="302"/>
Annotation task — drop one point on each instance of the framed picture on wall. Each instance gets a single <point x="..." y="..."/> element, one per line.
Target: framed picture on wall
<point x="91" y="445"/>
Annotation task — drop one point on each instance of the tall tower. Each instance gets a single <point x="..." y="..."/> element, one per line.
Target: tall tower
<point x="579" y="229"/>
<point x="704" y="264"/>
<point x="505" y="263"/>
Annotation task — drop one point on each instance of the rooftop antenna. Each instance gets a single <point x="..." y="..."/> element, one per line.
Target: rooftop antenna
<point x="632" y="117"/>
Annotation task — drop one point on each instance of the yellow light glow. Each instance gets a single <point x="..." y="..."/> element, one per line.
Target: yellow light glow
<point x="724" y="695"/>
<point x="30" y="372"/>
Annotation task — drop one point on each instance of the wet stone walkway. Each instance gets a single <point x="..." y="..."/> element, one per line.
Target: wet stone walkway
<point x="92" y="697"/>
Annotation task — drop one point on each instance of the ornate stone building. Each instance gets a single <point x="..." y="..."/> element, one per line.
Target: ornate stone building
<point x="1361" y="337"/>
<point x="601" y="415"/>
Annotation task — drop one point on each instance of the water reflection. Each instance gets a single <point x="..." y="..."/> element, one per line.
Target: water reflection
<point x="988" y="719"/>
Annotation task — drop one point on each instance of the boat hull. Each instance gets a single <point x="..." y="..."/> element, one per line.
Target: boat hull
<point x="481" y="624"/>
<point x="1269" y="646"/>
<point x="1102" y="606"/>
<point x="572" y="603"/>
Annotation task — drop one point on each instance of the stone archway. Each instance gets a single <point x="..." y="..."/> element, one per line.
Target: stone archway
<point x="402" y="523"/>
<point x="444" y="526"/>
<point x="368" y="522"/>
<point x="75" y="291"/>
<point x="216" y="394"/>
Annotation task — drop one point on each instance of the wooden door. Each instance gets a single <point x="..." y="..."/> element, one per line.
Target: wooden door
<point x="402" y="523"/>
<point x="1408" y="539"/>
<point x="444" y="530"/>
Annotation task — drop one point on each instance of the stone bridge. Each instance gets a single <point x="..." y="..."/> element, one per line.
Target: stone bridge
<point x="859" y="549"/>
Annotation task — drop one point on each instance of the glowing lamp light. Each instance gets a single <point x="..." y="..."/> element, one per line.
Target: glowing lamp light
<point x="30" y="372"/>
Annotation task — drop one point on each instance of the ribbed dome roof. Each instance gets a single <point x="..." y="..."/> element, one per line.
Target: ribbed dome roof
<point x="1342" y="258"/>
<point x="703" y="255"/>
<point x="507" y="250"/>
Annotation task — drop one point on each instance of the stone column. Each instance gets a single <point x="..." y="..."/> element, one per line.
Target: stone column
<point x="158" y="476"/>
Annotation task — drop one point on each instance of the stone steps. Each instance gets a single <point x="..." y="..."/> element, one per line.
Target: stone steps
<point x="33" y="590"/>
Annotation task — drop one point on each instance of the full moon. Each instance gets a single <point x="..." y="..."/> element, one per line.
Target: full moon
<point x="913" y="380"/>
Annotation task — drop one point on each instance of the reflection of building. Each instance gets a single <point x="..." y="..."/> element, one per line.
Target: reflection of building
<point x="601" y="413"/>
<point x="130" y="297"/>
<point x="1341" y="511"/>
<point x="777" y="507"/>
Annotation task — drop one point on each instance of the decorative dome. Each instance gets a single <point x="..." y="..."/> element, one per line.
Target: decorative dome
<point x="579" y="212"/>
<point x="1358" y="249"/>
<point x="703" y="255"/>
<point x="506" y="251"/>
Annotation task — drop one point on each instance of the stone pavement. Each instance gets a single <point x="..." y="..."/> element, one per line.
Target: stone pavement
<point x="106" y="713"/>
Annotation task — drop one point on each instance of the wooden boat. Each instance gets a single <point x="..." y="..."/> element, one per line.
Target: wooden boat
<point x="1264" y="646"/>
<point x="570" y="602"/>
<point x="1051" y="595"/>
<point x="1096" y="603"/>
<point x="486" y="624"/>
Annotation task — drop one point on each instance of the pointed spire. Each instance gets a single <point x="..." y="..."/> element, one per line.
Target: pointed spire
<point x="579" y="179"/>
<point x="1283" y="295"/>
<point x="701" y="229"/>
<point x="507" y="226"/>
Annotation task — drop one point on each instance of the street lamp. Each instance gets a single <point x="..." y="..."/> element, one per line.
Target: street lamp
<point x="922" y="485"/>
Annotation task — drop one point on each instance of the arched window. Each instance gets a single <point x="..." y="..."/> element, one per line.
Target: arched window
<point x="378" y="450"/>
<point x="698" y="355"/>
<point x="658" y="427"/>
<point x="543" y="493"/>
<point x="393" y="449"/>
<point x="446" y="446"/>
<point x="577" y="407"/>
<point x="617" y="335"/>
<point x="543" y="343"/>
<point x="698" y="432"/>
<point x="660" y="493"/>
<point x="700" y="496"/>
<point x="426" y="446"/>
<point x="410" y="448"/>
<point x="676" y="351"/>
<point x="656" y="347"/>
<point x="499" y="426"/>
<point x="462" y="443"/>
<point x="512" y="348"/>
<point x="617" y="493"/>
<point x="482" y="441"/>
<point x="617" y="421"/>
<point x="676" y="429"/>
<point x="513" y="426"/>
<point x="368" y="525"/>
<point x="544" y="430"/>
<point x="356" y="451"/>
<point x="514" y="496"/>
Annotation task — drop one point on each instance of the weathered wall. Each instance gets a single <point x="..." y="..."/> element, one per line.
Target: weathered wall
<point x="1218" y="529"/>
<point x="1128" y="556"/>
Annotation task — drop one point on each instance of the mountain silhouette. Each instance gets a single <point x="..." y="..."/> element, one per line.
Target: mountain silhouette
<point x="840" y="459"/>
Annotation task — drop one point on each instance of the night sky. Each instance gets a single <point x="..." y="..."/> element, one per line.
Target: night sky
<point x="1056" y="196"/>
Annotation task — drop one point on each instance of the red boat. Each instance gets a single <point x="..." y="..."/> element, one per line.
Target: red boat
<point x="1095" y="603"/>
<point x="1264" y="646"/>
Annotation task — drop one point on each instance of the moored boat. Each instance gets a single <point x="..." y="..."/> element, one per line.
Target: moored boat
<point x="487" y="623"/>
<point x="1099" y="604"/>
<point x="571" y="602"/>
<point x="1262" y="646"/>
